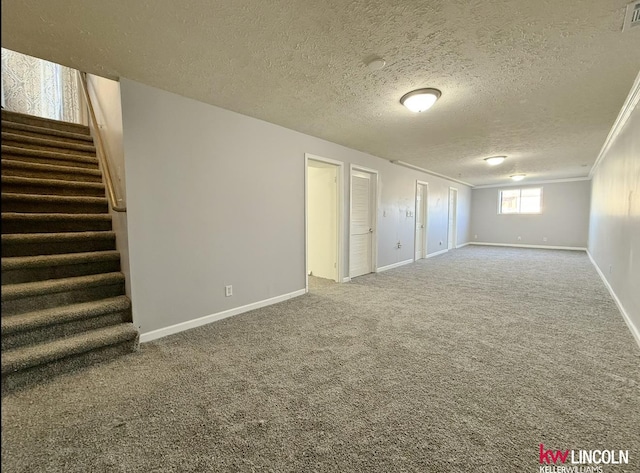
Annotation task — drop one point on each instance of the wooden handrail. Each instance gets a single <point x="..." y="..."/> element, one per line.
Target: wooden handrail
<point x="102" y="154"/>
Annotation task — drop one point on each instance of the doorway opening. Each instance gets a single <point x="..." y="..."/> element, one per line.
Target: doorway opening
<point x="363" y="240"/>
<point x="324" y="217"/>
<point x="453" y="218"/>
<point x="422" y="212"/>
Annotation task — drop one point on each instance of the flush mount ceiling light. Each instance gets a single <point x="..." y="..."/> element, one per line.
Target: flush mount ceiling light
<point x="518" y="177"/>
<point x="495" y="160"/>
<point x="376" y="64"/>
<point x="421" y="99"/>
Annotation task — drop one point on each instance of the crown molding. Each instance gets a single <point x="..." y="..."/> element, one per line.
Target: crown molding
<point x="534" y="183"/>
<point x="629" y="105"/>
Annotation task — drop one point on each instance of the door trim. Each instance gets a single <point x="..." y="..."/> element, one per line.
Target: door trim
<point x="425" y="233"/>
<point x="339" y="215"/>
<point x="375" y="178"/>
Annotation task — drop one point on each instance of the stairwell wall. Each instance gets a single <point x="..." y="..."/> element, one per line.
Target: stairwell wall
<point x="106" y="101"/>
<point x="216" y="198"/>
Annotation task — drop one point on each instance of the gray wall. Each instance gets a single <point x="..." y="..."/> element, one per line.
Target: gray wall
<point x="217" y="198"/>
<point x="564" y="220"/>
<point x="614" y="230"/>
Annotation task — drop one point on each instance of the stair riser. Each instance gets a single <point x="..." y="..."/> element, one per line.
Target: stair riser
<point x="28" y="188"/>
<point x="74" y="296"/>
<point x="44" y="134"/>
<point x="14" y="381"/>
<point x="44" y="123"/>
<point x="54" y="332"/>
<point x="56" y="248"/>
<point x="46" y="174"/>
<point x="57" y="161"/>
<point x="89" y="153"/>
<point x="17" y="276"/>
<point x="54" y="226"/>
<point x="11" y="205"/>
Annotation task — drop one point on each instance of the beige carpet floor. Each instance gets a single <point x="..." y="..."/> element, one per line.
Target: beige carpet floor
<point x="460" y="363"/>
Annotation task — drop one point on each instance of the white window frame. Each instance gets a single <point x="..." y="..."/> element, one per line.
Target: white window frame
<point x="520" y="189"/>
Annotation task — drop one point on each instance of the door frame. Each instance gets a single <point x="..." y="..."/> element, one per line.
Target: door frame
<point x="339" y="214"/>
<point x="375" y="198"/>
<point x="425" y="233"/>
<point x="454" y="243"/>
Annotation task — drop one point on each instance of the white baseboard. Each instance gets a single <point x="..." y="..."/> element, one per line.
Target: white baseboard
<point x="544" y="247"/>
<point x="463" y="245"/>
<point x="441" y="252"/>
<point x="634" y="330"/>
<point x="347" y="279"/>
<point x="394" y="265"/>
<point x="207" y="319"/>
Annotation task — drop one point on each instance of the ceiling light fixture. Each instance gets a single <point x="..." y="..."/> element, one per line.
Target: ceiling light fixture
<point x="518" y="177"/>
<point x="421" y="99"/>
<point x="495" y="160"/>
<point x="376" y="64"/>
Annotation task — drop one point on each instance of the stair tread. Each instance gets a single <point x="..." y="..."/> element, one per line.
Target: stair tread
<point x="8" y="136"/>
<point x="55" y="237"/>
<point x="41" y="353"/>
<point x="18" y="262"/>
<point x="10" y="116"/>
<point x="12" y="163"/>
<point x="53" y="216"/>
<point x="51" y="286"/>
<point x="46" y="131"/>
<point x="49" y="186"/>
<point x="48" y="154"/>
<point x="36" y="181"/>
<point x="58" y="315"/>
<point x="14" y="196"/>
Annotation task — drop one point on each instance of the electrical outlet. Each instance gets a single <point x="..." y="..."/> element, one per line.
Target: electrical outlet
<point x="544" y="238"/>
<point x="519" y="238"/>
<point x="475" y="236"/>
<point x="228" y="291"/>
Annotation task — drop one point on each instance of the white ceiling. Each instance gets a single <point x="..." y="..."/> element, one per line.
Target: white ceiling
<point x="540" y="81"/>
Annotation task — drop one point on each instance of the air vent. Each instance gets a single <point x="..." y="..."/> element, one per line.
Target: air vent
<point x="632" y="18"/>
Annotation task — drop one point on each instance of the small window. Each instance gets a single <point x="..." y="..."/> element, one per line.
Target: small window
<point x="521" y="201"/>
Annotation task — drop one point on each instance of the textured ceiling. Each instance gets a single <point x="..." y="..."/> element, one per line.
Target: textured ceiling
<point x="539" y="81"/>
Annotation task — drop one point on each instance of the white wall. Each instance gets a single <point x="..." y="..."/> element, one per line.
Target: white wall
<point x="322" y="221"/>
<point x="217" y="198"/>
<point x="105" y="98"/>
<point x="463" y="214"/>
<point x="564" y="220"/>
<point x="614" y="230"/>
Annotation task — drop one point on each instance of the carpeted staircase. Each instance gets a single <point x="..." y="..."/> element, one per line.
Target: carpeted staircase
<point x="63" y="296"/>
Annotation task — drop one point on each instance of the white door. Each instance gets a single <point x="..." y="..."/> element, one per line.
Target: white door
<point x="453" y="206"/>
<point x="361" y="234"/>
<point x="421" y="221"/>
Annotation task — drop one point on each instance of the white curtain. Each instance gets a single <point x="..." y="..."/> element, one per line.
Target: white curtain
<point x="42" y="88"/>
